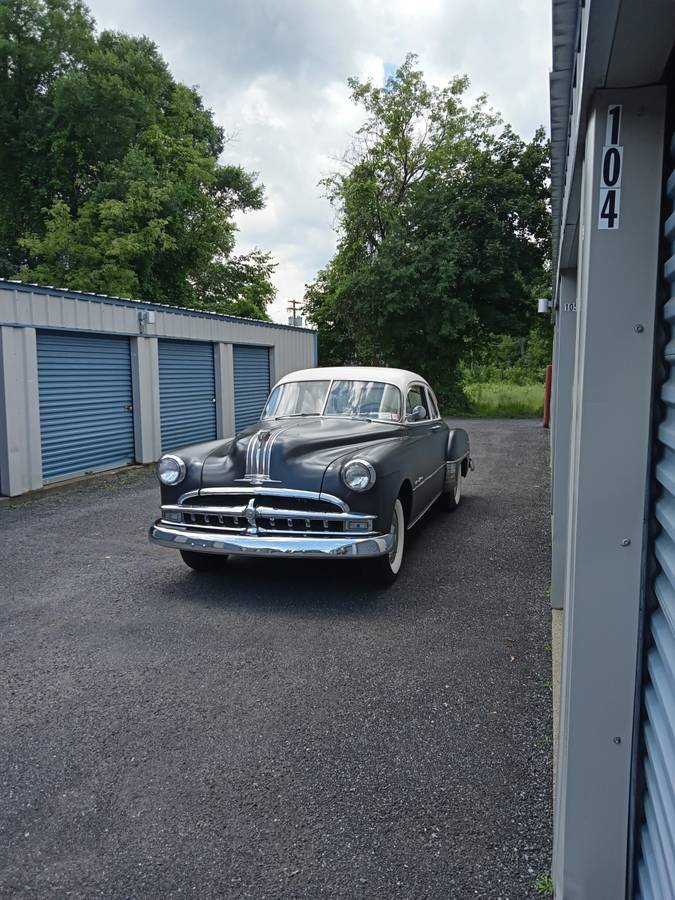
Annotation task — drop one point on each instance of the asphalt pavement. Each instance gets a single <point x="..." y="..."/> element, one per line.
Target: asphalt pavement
<point x="283" y="729"/>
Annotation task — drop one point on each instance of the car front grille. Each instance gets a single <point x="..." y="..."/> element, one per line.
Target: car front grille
<point x="267" y="513"/>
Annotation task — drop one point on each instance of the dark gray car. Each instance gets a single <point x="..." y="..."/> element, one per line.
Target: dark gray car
<point x="343" y="462"/>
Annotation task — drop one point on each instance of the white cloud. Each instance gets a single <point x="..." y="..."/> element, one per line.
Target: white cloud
<point x="275" y="74"/>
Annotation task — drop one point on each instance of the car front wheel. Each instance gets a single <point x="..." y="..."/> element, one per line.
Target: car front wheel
<point x="384" y="569"/>
<point x="203" y="562"/>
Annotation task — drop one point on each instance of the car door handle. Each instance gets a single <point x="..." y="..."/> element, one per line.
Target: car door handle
<point x="435" y="427"/>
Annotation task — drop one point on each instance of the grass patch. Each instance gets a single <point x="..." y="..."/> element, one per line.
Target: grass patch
<point x="499" y="398"/>
<point x="544" y="886"/>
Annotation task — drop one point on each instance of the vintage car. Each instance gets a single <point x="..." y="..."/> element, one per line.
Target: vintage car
<point x="342" y="462"/>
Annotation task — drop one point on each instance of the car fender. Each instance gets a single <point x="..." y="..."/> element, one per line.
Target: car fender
<point x="458" y="448"/>
<point x="194" y="457"/>
<point x="387" y="458"/>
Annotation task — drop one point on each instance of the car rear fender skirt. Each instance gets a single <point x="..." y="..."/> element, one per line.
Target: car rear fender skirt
<point x="458" y="445"/>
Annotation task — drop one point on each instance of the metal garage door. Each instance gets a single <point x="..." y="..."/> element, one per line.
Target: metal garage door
<point x="251" y="383"/>
<point x="656" y="866"/>
<point x="187" y="393"/>
<point x="86" y="413"/>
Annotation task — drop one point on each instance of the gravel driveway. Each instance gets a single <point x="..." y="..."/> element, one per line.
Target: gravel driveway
<point x="281" y="730"/>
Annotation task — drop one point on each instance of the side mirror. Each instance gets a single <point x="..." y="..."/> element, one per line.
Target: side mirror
<point x="418" y="414"/>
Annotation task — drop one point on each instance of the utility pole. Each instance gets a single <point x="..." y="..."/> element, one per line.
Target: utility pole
<point x="294" y="317"/>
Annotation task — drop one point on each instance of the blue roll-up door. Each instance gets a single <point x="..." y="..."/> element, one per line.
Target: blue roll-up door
<point x="656" y="845"/>
<point x="187" y="393"/>
<point x="86" y="412"/>
<point x="251" y="383"/>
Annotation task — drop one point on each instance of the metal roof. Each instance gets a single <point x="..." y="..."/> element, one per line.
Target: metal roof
<point x="565" y="33"/>
<point x="21" y="286"/>
<point x="598" y="44"/>
<point x="399" y="377"/>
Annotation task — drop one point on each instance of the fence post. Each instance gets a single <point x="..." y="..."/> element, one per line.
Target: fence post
<point x="547" y="398"/>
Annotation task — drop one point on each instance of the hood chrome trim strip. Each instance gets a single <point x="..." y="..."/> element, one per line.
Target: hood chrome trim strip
<point x="259" y="455"/>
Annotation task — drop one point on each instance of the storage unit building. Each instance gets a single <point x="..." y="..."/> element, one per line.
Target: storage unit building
<point x="613" y="446"/>
<point x="89" y="382"/>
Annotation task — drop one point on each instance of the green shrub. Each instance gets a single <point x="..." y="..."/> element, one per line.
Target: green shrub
<point x="505" y="358"/>
<point x="499" y="398"/>
<point x="481" y="374"/>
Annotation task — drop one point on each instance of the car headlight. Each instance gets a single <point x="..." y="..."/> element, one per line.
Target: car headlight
<point x="171" y="470"/>
<point x="358" y="475"/>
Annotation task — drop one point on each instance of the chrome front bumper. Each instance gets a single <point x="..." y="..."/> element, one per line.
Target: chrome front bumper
<point x="348" y="547"/>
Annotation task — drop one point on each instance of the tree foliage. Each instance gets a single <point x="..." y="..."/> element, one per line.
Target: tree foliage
<point x="504" y="358"/>
<point x="109" y="171"/>
<point x="443" y="226"/>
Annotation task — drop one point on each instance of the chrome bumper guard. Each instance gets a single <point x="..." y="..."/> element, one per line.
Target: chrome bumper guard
<point x="347" y="547"/>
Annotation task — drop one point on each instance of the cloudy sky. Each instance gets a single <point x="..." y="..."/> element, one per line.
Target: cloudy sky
<point x="274" y="72"/>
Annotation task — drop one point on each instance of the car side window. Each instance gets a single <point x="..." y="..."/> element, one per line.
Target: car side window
<point x="416" y="397"/>
<point x="433" y="407"/>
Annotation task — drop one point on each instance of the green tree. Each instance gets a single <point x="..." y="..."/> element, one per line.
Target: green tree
<point x="111" y="180"/>
<point x="443" y="227"/>
<point x="39" y="44"/>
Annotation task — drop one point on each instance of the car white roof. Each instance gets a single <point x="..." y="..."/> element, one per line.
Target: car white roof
<point x="399" y="377"/>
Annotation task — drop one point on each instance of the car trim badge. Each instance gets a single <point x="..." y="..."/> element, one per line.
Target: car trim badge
<point x="249" y="512"/>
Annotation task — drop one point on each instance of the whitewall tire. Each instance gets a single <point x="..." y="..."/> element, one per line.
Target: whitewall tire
<point x="384" y="569"/>
<point x="450" y="499"/>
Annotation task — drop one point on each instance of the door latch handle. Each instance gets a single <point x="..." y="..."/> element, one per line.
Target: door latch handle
<point x="435" y="427"/>
<point x="129" y="407"/>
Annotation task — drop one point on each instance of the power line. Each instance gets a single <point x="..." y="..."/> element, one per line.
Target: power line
<point x="295" y="309"/>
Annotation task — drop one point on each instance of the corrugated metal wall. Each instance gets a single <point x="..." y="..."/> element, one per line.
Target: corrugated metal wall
<point x="187" y="393"/>
<point x="86" y="413"/>
<point x="41" y="307"/>
<point x="251" y="383"/>
<point x="656" y="867"/>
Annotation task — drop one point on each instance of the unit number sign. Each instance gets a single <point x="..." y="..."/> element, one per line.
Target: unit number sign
<point x="609" y="208"/>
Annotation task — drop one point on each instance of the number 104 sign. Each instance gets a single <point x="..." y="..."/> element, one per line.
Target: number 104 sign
<point x="609" y="207"/>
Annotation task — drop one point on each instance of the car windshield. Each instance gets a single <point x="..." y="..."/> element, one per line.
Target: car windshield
<point x="367" y="399"/>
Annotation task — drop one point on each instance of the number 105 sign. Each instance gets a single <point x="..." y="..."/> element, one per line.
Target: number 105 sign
<point x="609" y="208"/>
